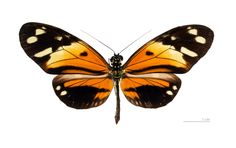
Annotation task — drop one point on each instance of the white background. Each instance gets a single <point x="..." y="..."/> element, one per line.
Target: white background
<point x="31" y="116"/>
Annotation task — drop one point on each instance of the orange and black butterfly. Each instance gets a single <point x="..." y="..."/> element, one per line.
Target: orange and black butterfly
<point x="85" y="79"/>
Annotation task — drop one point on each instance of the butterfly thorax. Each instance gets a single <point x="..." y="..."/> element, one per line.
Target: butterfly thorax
<point x="116" y="68"/>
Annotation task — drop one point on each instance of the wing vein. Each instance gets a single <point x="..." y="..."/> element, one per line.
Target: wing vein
<point x="84" y="81"/>
<point x="151" y="81"/>
<point x="135" y="54"/>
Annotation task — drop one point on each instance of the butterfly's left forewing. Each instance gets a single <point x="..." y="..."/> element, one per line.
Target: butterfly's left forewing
<point x="56" y="51"/>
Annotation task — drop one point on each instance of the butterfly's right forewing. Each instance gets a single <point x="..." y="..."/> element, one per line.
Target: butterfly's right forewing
<point x="175" y="51"/>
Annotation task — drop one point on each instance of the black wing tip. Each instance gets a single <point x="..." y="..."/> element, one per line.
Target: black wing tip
<point x="25" y="29"/>
<point x="32" y="24"/>
<point x="209" y="33"/>
<point x="28" y="24"/>
<point x="204" y="27"/>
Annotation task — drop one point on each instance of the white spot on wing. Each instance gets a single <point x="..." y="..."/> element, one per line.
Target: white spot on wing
<point x="63" y="93"/>
<point x="173" y="38"/>
<point x="59" y="38"/>
<point x="172" y="47"/>
<point x="200" y="39"/>
<point x="96" y="104"/>
<point x="32" y="40"/>
<point x="44" y="52"/>
<point x="193" y="31"/>
<point x="60" y="48"/>
<point x="39" y="31"/>
<point x="43" y="27"/>
<point x="68" y="36"/>
<point x="165" y="35"/>
<point x="188" y="52"/>
<point x="58" y="87"/>
<point x="174" y="87"/>
<point x="189" y="27"/>
<point x="169" y="92"/>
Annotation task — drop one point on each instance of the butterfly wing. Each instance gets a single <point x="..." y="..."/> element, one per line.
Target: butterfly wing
<point x="175" y="51"/>
<point x="150" y="90"/>
<point x="58" y="52"/>
<point x="148" y="80"/>
<point x="80" y="91"/>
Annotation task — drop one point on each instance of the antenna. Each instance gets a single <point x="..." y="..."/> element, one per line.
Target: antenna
<point x="135" y="41"/>
<point x="98" y="41"/>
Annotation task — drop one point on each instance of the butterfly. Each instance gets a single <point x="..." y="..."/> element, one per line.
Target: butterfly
<point x="85" y="79"/>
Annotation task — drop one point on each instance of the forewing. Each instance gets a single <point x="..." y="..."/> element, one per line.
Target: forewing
<point x="81" y="91"/>
<point x="175" y="51"/>
<point x="57" y="51"/>
<point x="150" y="90"/>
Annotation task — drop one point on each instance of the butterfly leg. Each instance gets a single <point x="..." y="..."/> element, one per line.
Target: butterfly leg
<point x="117" y="115"/>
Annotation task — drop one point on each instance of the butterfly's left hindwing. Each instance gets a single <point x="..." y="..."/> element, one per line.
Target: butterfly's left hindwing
<point x="57" y="51"/>
<point x="80" y="91"/>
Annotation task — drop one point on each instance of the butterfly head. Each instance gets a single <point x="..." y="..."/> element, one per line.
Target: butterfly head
<point x="116" y="60"/>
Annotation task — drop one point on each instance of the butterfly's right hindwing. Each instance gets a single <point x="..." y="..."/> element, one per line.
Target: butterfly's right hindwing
<point x="150" y="90"/>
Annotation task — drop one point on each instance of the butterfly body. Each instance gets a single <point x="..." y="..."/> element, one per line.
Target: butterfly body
<point x="116" y="68"/>
<point x="116" y="75"/>
<point x="85" y="79"/>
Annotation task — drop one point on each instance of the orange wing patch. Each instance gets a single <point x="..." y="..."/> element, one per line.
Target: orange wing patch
<point x="81" y="91"/>
<point x="150" y="90"/>
<point x="76" y="58"/>
<point x="156" y="57"/>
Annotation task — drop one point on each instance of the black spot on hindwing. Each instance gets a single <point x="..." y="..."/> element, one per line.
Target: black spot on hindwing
<point x="152" y="96"/>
